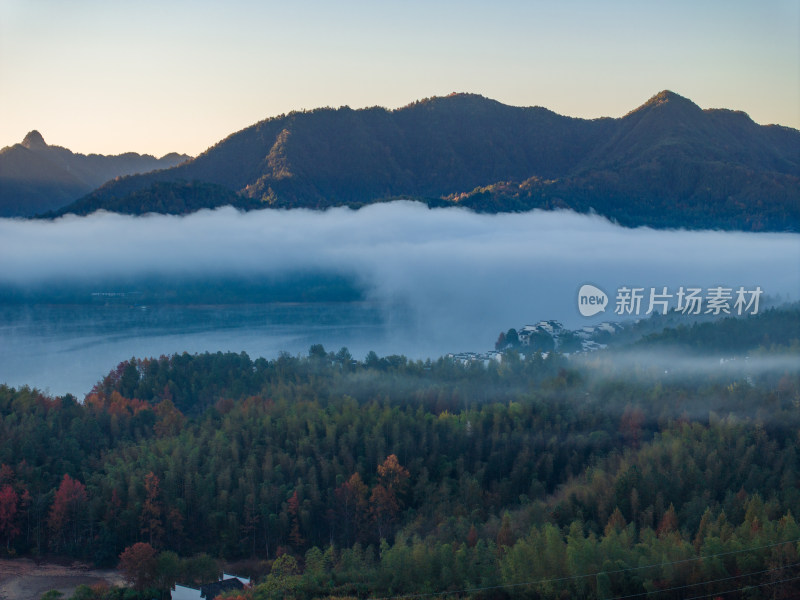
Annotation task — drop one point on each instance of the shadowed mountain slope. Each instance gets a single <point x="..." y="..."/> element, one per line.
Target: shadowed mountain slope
<point x="36" y="177"/>
<point x="668" y="163"/>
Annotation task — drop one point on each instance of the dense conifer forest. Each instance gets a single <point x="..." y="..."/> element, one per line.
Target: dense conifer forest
<point x="591" y="476"/>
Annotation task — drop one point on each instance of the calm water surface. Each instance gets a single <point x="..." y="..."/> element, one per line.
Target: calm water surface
<point x="429" y="281"/>
<point x="69" y="348"/>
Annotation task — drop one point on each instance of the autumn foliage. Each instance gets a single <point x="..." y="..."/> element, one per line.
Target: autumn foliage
<point x="359" y="473"/>
<point x="9" y="527"/>
<point x="138" y="565"/>
<point x="67" y="515"/>
<point x="152" y="511"/>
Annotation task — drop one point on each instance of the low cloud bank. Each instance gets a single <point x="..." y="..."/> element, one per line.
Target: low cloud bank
<point x="445" y="269"/>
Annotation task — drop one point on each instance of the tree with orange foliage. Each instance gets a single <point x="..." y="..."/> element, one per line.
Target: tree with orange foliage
<point x="170" y="419"/>
<point x="505" y="537"/>
<point x="616" y="522"/>
<point x="392" y="475"/>
<point x="353" y="507"/>
<point x="115" y="403"/>
<point x="152" y="526"/>
<point x="669" y="522"/>
<point x="387" y="496"/>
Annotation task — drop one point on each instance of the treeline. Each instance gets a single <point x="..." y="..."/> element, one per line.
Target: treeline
<point x="772" y="330"/>
<point x="165" y="197"/>
<point x="343" y="477"/>
<point x="727" y="197"/>
<point x="550" y="562"/>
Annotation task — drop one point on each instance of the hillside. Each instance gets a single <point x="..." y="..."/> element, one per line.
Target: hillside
<point x="333" y="477"/>
<point x="775" y="329"/>
<point x="667" y="163"/>
<point x="36" y="177"/>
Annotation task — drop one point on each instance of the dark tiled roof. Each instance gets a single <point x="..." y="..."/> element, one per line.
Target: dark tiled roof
<point x="210" y="591"/>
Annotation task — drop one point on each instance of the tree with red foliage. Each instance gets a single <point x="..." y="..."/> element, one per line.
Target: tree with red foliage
<point x="9" y="501"/>
<point x="631" y="424"/>
<point x="294" y="512"/>
<point x="6" y="474"/>
<point x="384" y="509"/>
<point x="138" y="565"/>
<point x="67" y="510"/>
<point x="500" y="344"/>
<point x="472" y="536"/>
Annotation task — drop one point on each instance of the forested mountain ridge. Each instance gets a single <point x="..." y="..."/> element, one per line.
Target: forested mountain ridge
<point x="667" y="163"/>
<point x="36" y="177"/>
<point x="338" y="477"/>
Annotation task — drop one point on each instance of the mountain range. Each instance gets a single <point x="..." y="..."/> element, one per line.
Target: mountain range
<point x="36" y="177"/>
<point x="668" y="163"/>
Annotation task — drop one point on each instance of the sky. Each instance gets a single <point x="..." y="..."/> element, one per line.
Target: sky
<point x="179" y="75"/>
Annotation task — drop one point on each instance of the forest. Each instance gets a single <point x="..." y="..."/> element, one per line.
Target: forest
<point x="593" y="476"/>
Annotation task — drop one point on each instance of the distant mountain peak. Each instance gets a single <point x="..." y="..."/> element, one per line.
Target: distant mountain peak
<point x="669" y="100"/>
<point x="465" y="95"/>
<point x="36" y="177"/>
<point x="34" y="141"/>
<point x="667" y="96"/>
<point x="452" y="99"/>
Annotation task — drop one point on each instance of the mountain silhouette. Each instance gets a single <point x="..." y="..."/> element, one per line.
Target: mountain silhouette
<point x="36" y="177"/>
<point x="668" y="163"/>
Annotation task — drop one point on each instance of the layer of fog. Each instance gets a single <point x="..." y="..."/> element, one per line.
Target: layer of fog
<point x="664" y="373"/>
<point x="663" y="364"/>
<point x="457" y="278"/>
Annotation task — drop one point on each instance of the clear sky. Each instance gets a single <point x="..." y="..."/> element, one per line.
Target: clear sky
<point x="155" y="76"/>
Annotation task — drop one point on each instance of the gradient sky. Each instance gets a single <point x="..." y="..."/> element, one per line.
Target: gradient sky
<point x="158" y="76"/>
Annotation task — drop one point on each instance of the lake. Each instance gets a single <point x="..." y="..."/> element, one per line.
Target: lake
<point x="79" y="295"/>
<point x="69" y="348"/>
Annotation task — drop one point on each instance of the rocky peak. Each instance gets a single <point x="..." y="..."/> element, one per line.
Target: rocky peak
<point x="34" y="141"/>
